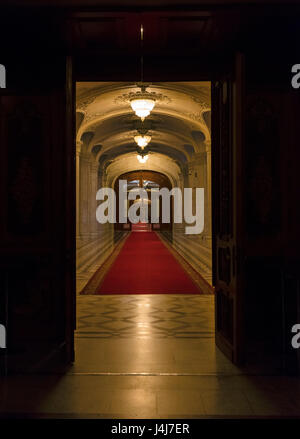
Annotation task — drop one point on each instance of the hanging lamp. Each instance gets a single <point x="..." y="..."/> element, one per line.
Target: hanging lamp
<point x="143" y="102"/>
<point x="142" y="158"/>
<point x="142" y="140"/>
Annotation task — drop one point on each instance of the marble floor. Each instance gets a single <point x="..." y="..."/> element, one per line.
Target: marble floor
<point x="149" y="356"/>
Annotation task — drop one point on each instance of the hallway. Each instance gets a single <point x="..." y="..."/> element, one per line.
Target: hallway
<point x="149" y="356"/>
<point x="144" y="265"/>
<point x="177" y="157"/>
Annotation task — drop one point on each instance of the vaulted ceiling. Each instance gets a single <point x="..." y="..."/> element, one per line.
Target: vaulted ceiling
<point x="179" y="125"/>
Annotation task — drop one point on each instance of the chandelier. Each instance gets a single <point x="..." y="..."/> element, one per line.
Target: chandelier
<point x="142" y="158"/>
<point x="142" y="103"/>
<point x="142" y="140"/>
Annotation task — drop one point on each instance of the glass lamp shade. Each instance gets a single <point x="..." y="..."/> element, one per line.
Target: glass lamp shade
<point x="142" y="107"/>
<point x="142" y="141"/>
<point x="142" y="158"/>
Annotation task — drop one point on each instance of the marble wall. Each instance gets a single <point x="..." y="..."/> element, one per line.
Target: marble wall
<point x="197" y="249"/>
<point x="94" y="241"/>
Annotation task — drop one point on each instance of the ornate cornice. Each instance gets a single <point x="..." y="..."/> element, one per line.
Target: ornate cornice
<point x="84" y="103"/>
<point x="127" y="97"/>
<point x="203" y="105"/>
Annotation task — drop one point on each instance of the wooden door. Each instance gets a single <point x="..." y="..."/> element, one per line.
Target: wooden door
<point x="227" y="190"/>
<point x="37" y="226"/>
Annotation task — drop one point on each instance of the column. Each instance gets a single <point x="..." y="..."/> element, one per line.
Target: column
<point x="208" y="192"/>
<point x="78" y="151"/>
<point x="84" y="195"/>
<point x="94" y="168"/>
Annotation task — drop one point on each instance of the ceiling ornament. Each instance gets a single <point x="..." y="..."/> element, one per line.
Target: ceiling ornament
<point x="196" y="116"/>
<point x="150" y="99"/>
<point x="83" y="104"/>
<point x="91" y="116"/>
<point x="203" y="105"/>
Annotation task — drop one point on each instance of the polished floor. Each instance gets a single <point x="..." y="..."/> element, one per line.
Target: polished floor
<point x="149" y="356"/>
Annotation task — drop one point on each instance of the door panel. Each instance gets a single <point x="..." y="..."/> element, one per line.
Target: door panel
<point x="70" y="213"/>
<point x="227" y="187"/>
<point x="36" y="226"/>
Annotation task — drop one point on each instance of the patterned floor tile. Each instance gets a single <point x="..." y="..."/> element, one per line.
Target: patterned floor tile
<point x="175" y="316"/>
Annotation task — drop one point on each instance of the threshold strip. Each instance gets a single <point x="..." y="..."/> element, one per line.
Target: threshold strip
<point x="151" y="374"/>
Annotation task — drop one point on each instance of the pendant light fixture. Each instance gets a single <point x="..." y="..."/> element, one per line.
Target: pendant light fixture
<point x="143" y="102"/>
<point x="142" y="140"/>
<point x="143" y="137"/>
<point x="142" y="158"/>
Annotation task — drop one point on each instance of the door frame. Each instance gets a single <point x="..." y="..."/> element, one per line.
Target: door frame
<point x="236" y="355"/>
<point x="228" y="236"/>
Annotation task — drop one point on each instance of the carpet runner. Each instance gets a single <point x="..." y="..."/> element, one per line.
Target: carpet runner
<point x="146" y="266"/>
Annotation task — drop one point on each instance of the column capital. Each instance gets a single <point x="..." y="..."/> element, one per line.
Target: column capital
<point x="207" y="144"/>
<point x="79" y="144"/>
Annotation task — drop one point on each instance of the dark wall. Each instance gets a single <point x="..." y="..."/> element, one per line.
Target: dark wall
<point x="272" y="217"/>
<point x="35" y="248"/>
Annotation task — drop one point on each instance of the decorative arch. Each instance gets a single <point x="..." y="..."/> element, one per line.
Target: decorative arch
<point x="144" y="178"/>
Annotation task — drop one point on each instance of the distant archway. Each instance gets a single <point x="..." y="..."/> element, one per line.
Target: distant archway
<point x="147" y="180"/>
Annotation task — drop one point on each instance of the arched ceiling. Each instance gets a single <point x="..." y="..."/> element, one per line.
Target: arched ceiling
<point x="178" y="124"/>
<point x="128" y="162"/>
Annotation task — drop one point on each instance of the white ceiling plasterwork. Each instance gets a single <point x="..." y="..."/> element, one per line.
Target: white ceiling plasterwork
<point x="176" y="117"/>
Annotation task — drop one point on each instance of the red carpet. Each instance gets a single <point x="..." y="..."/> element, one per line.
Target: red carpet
<point x="145" y="266"/>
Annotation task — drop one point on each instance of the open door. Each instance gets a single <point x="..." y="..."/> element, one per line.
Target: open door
<point x="70" y="224"/>
<point x="227" y="196"/>
<point x="37" y="194"/>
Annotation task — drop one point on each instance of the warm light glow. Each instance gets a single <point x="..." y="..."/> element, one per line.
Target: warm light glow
<point x="142" y="141"/>
<point x="142" y="107"/>
<point x="142" y="158"/>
